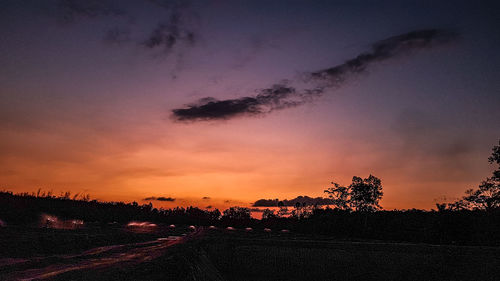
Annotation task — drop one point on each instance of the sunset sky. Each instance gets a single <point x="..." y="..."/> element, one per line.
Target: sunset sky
<point x="91" y="91"/>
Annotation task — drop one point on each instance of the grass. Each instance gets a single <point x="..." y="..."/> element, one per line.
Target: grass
<point x="223" y="255"/>
<point x="279" y="258"/>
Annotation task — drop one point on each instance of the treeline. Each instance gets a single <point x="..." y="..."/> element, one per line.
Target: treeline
<point x="464" y="227"/>
<point x="461" y="227"/>
<point x="26" y="208"/>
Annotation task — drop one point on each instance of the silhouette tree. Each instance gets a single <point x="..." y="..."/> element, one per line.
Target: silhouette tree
<point x="366" y="193"/>
<point x="339" y="195"/>
<point x="236" y="213"/>
<point x="487" y="196"/>
<point x="268" y="214"/>
<point x="283" y="210"/>
<point x="361" y="195"/>
<point x="441" y="207"/>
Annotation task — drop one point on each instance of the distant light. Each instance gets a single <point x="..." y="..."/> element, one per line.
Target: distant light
<point x="141" y="224"/>
<point x="285" y="230"/>
<point x="267" y="229"/>
<point x="230" y="228"/>
<point x="248" y="229"/>
<point x="212" y="227"/>
<point x="50" y="221"/>
<point x="172" y="226"/>
<point x="192" y="227"/>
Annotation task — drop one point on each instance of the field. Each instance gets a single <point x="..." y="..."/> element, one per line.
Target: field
<point x="205" y="254"/>
<point x="306" y="258"/>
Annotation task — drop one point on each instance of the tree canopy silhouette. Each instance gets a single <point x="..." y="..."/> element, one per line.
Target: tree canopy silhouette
<point x="487" y="195"/>
<point x="361" y="195"/>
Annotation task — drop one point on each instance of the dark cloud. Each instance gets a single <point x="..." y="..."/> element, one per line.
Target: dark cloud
<point x="279" y="96"/>
<point x="283" y="95"/>
<point x="178" y="29"/>
<point x="382" y="50"/>
<point x="209" y="207"/>
<point x="309" y="201"/>
<point x="161" y="198"/>
<point x="206" y="198"/>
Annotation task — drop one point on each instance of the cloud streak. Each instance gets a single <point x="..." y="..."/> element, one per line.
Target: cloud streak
<point x="161" y="198"/>
<point x="279" y="96"/>
<point x="309" y="201"/>
<point x="286" y="95"/>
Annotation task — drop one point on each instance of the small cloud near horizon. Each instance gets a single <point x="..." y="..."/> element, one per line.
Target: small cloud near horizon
<point x="161" y="198"/>
<point x="309" y="201"/>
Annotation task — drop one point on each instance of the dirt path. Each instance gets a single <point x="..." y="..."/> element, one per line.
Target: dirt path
<point x="100" y="257"/>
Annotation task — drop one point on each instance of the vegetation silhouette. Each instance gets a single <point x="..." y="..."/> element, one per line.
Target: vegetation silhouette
<point x="356" y="214"/>
<point x="486" y="196"/>
<point x="362" y="195"/>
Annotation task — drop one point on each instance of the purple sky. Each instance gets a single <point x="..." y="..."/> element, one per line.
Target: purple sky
<point x="88" y="88"/>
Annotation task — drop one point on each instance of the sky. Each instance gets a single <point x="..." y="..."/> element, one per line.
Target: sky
<point x="221" y="103"/>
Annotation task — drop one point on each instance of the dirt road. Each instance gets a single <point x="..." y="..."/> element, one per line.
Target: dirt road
<point x="40" y="268"/>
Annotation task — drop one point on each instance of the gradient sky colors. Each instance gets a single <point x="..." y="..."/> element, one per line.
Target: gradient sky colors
<point x="88" y="87"/>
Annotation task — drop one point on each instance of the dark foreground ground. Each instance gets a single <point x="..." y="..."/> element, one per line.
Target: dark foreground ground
<point x="120" y="253"/>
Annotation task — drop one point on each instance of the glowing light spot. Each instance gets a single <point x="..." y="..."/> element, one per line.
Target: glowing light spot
<point x="51" y="221"/>
<point x="141" y="224"/>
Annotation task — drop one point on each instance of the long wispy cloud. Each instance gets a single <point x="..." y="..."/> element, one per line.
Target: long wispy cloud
<point x="286" y="95"/>
<point x="302" y="200"/>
